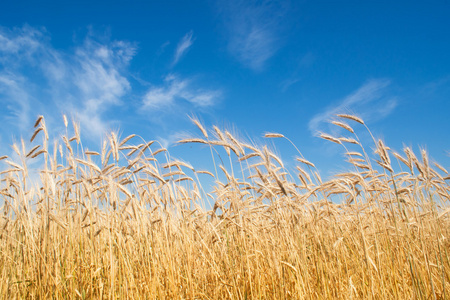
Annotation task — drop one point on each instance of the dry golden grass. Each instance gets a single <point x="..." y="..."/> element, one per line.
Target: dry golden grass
<point x="129" y="222"/>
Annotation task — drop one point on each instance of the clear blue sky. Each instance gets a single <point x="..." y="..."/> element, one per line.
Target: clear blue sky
<point x="279" y="66"/>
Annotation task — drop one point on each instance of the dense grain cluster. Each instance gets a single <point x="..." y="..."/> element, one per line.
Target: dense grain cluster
<point x="131" y="222"/>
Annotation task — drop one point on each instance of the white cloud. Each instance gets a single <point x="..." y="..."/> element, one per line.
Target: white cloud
<point x="89" y="82"/>
<point x="99" y="76"/>
<point x="288" y="82"/>
<point x="369" y="102"/>
<point x="300" y="64"/>
<point x="183" y="46"/>
<point x="18" y="47"/>
<point x="172" y="139"/>
<point x="15" y="99"/>
<point x="175" y="89"/>
<point x="84" y="83"/>
<point x="254" y="29"/>
<point x="440" y="86"/>
<point x="162" y="48"/>
<point x="20" y="42"/>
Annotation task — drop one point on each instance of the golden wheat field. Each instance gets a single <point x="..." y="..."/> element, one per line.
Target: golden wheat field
<point x="130" y="222"/>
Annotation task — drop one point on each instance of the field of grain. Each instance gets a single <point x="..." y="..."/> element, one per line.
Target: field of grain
<point x="129" y="222"/>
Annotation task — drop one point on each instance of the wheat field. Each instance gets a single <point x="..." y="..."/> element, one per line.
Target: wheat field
<point x="130" y="222"/>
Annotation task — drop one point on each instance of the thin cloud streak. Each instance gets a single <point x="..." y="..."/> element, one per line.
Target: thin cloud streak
<point x="369" y="102"/>
<point x="100" y="80"/>
<point x="253" y="30"/>
<point x="16" y="100"/>
<point x="183" y="46"/>
<point x="175" y="89"/>
<point x="83" y="84"/>
<point x="89" y="83"/>
<point x="288" y="82"/>
<point x="19" y="47"/>
<point x="172" y="138"/>
<point x="303" y="62"/>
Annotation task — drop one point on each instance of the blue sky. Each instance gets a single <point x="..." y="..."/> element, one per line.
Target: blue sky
<point x="257" y="66"/>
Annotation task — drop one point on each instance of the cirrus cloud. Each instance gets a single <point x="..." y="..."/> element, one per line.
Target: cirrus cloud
<point x="183" y="46"/>
<point x="254" y="29"/>
<point x="370" y="101"/>
<point x="175" y="89"/>
<point x="89" y="81"/>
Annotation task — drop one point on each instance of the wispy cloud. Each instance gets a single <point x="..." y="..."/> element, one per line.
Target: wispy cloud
<point x="175" y="89"/>
<point x="370" y="102"/>
<point x="16" y="101"/>
<point x="183" y="46"/>
<point x="20" y="47"/>
<point x="84" y="83"/>
<point x="288" y="82"/>
<point x="302" y="62"/>
<point x="172" y="138"/>
<point x="253" y="29"/>
<point x="162" y="48"/>
<point x="436" y="88"/>
<point x="89" y="82"/>
<point x="100" y="79"/>
<point x="22" y="43"/>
